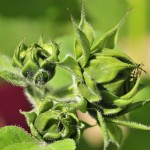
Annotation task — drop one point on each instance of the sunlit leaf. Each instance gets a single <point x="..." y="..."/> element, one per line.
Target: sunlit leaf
<point x="67" y="144"/>
<point x="115" y="132"/>
<point x="10" y="136"/>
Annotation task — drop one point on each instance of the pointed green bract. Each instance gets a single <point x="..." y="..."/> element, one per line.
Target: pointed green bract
<point x="87" y="93"/>
<point x="139" y="100"/>
<point x="45" y="106"/>
<point x="86" y="27"/>
<point x="109" y="39"/>
<point x="30" y="117"/>
<point x="91" y="84"/>
<point x="130" y="124"/>
<point x="82" y="45"/>
<point x="115" y="133"/>
<point x="103" y="126"/>
<point x="111" y="111"/>
<point x="133" y="91"/>
<point x="106" y="68"/>
<point x="70" y="64"/>
<point x="19" y="54"/>
<point x="117" y="86"/>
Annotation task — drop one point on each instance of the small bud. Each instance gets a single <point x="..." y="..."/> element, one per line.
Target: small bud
<point x="37" y="61"/>
<point x="53" y="122"/>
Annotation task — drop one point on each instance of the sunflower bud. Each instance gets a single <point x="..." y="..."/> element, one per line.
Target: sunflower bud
<point x="37" y="62"/>
<point x="104" y="67"/>
<point x="107" y="73"/>
<point x="53" y="122"/>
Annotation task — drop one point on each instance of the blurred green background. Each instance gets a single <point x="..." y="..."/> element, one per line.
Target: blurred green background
<point x="31" y="18"/>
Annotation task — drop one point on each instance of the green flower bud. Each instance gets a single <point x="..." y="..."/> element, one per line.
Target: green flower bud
<point x="37" y="61"/>
<point x="108" y="65"/>
<point x="53" y="122"/>
<point x="109" y="81"/>
<point x="103" y="75"/>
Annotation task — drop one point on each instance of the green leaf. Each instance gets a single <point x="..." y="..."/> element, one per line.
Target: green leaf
<point x="103" y="126"/>
<point x="82" y="45"/>
<point x="106" y="68"/>
<point x="80" y="104"/>
<point x="133" y="91"/>
<point x="116" y="53"/>
<point x="135" y="105"/>
<point x="9" y="73"/>
<point x="87" y="93"/>
<point x="129" y="124"/>
<point x="30" y="117"/>
<point x="42" y="120"/>
<point x="116" y="86"/>
<point x="86" y="27"/>
<point x="141" y="99"/>
<point x="113" y="100"/>
<point x="115" y="133"/>
<point x="23" y="146"/>
<point x="35" y="133"/>
<point x="12" y="135"/>
<point x="109" y="39"/>
<point x="70" y="64"/>
<point x="64" y="94"/>
<point x="17" y="58"/>
<point x="70" y="99"/>
<point x="111" y="111"/>
<point x="15" y="138"/>
<point x="66" y="144"/>
<point x="45" y="105"/>
<point x="91" y="85"/>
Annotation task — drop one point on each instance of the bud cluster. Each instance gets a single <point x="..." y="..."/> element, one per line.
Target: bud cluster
<point x="105" y="83"/>
<point x="53" y="122"/>
<point x="37" y="62"/>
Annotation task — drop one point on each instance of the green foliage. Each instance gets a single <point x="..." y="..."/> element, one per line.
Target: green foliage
<point x="15" y="138"/>
<point x="66" y="144"/>
<point x="109" y="39"/>
<point x="104" y="84"/>
<point x="9" y="73"/>
<point x="12" y="136"/>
